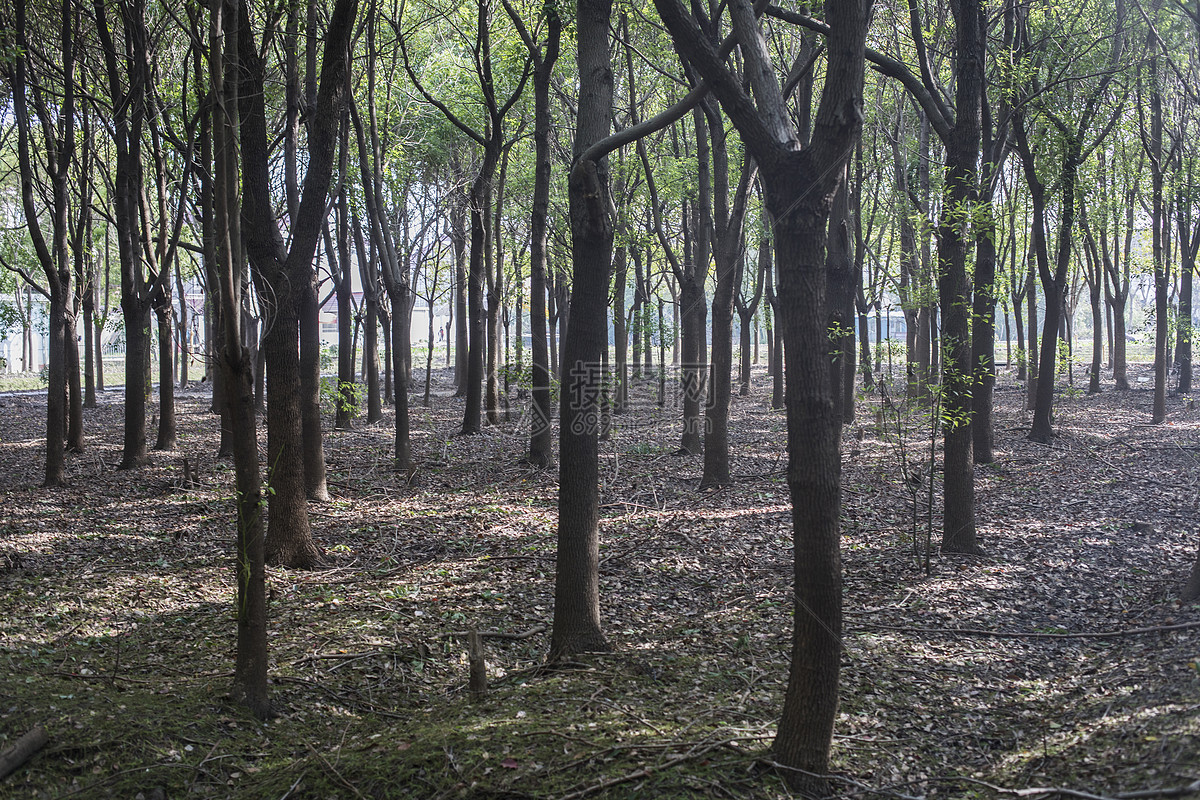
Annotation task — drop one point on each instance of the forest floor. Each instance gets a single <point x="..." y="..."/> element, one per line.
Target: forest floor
<point x="1061" y="664"/>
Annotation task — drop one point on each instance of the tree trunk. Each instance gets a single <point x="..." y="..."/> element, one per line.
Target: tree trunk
<point x="620" y="330"/>
<point x="89" y="348"/>
<point x="282" y="274"/>
<point x="954" y="290"/>
<point x="313" y="442"/>
<point x="798" y="189"/>
<point x="166" y="377"/>
<point x="577" y="627"/>
<point x="385" y="325"/>
<point x="346" y="402"/>
<point x="402" y="447"/>
<point x="744" y="320"/>
<point x="476" y="310"/>
<point x="839" y="264"/>
<point x="458" y="238"/>
<point x="221" y="215"/>
<point x="137" y="345"/>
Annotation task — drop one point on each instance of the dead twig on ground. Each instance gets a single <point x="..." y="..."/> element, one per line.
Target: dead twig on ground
<point x="1182" y="626"/>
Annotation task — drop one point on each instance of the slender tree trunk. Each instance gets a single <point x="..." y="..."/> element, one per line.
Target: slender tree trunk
<point x="166" y="378"/>
<point x="305" y="297"/>
<point x="89" y="348"/>
<point x="458" y="238"/>
<point x="476" y="276"/>
<point x="402" y="447"/>
<point x="346" y="403"/>
<point x="620" y="330"/>
<point x="225" y="273"/>
<point x="385" y="325"/>
<point x="1031" y="350"/>
<point x="983" y="337"/>
<point x="1159" y="226"/>
<point x="744" y="320"/>
<point x="839" y="264"/>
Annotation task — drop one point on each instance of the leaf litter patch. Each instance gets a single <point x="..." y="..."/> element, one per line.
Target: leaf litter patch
<point x="116" y="628"/>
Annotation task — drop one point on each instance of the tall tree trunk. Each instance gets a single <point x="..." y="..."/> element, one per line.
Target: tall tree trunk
<point x="476" y="276"/>
<point x="798" y="194"/>
<point x="312" y="437"/>
<point x="577" y="627"/>
<point x="370" y="281"/>
<point x="954" y="290"/>
<point x="692" y="299"/>
<point x="1159" y="225"/>
<point x="346" y="399"/>
<point x="540" y="403"/>
<point x="285" y="276"/>
<point x="221" y="236"/>
<point x="1189" y="242"/>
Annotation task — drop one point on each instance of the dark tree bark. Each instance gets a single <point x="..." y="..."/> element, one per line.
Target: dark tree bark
<point x="638" y="313"/>
<point x="954" y="290"/>
<point x="54" y="257"/>
<point x="799" y="189"/>
<point x="283" y="273"/>
<point x="343" y="289"/>
<point x="304" y="296"/>
<point x="1159" y="226"/>
<point x="544" y="59"/>
<point x="138" y="290"/>
<point x="1188" y="235"/>
<point x="775" y="346"/>
<point x="994" y="146"/>
<point x="250" y="667"/>
<point x="577" y="627"/>
<point x="1031" y="309"/>
<point x="693" y="302"/>
<point x="839" y="266"/>
<point x="458" y="238"/>
<point x="369" y="275"/>
<point x="620" y="331"/>
<point x="747" y="309"/>
<point x="395" y="275"/>
<point x="728" y="229"/>
<point x="1093" y="273"/>
<point x="1117" y="284"/>
<point x="84" y="277"/>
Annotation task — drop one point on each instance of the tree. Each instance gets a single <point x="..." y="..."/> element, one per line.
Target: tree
<point x="576" y="626"/>
<point x="279" y="269"/>
<point x="58" y="149"/>
<point x="141" y="286"/>
<point x="728" y="220"/>
<point x="250" y="669"/>
<point x="1073" y="142"/>
<point x="544" y="57"/>
<point x="747" y="306"/>
<point x="799" y="189"/>
<point x="490" y="138"/>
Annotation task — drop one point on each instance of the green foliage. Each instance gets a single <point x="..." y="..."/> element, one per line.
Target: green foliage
<point x="345" y="396"/>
